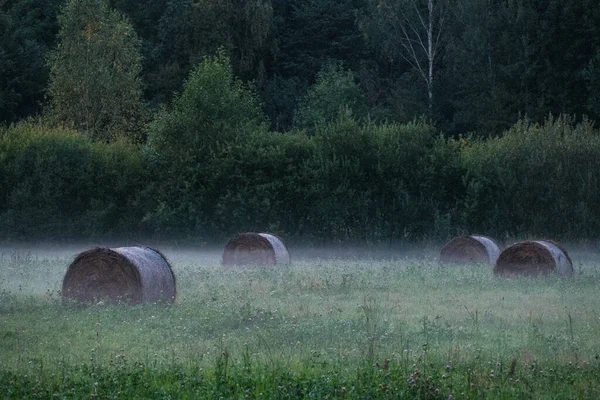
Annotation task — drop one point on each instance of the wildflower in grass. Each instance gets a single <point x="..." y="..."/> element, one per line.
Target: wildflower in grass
<point x="444" y="376"/>
<point x="447" y="367"/>
<point x="492" y="373"/>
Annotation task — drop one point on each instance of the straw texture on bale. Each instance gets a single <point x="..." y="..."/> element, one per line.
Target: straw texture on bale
<point x="470" y="249"/>
<point x="534" y="258"/>
<point x="252" y="248"/>
<point x="133" y="275"/>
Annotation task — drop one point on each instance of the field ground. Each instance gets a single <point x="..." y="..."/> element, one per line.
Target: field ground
<point x="397" y="326"/>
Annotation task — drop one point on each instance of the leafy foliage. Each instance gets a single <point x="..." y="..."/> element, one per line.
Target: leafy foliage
<point x="94" y="83"/>
<point x="591" y="74"/>
<point x="190" y="30"/>
<point x="341" y="159"/>
<point x="538" y="179"/>
<point x="56" y="183"/>
<point x="334" y="92"/>
<point x="188" y="140"/>
<point x="27" y="32"/>
<point x="379" y="182"/>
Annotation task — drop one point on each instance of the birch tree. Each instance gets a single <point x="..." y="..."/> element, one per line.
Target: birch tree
<point x="412" y="30"/>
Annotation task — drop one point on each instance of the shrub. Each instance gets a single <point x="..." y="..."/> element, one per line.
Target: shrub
<point x="537" y="179"/>
<point x="57" y="184"/>
<point x="190" y="142"/>
<point x="381" y="182"/>
<point x="334" y="92"/>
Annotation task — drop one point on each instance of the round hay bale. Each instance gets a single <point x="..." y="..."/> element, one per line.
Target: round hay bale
<point x="252" y="248"/>
<point x="469" y="250"/>
<point x="133" y="275"/>
<point x="534" y="258"/>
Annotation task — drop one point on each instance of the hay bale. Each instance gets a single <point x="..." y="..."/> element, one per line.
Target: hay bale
<point x="134" y="275"/>
<point x="470" y="249"/>
<point x="534" y="258"/>
<point x="255" y="249"/>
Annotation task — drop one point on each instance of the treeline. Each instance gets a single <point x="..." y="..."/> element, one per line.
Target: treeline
<point x="212" y="167"/>
<point x="490" y="62"/>
<point x="318" y="119"/>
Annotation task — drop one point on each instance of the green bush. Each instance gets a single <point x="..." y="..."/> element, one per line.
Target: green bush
<point x="263" y="184"/>
<point x="57" y="184"/>
<point x="381" y="182"/>
<point x="334" y="92"/>
<point x="95" y="83"/>
<point x="189" y="143"/>
<point x="537" y="179"/>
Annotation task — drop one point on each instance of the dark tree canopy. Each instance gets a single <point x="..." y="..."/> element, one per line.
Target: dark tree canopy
<point x="489" y="62"/>
<point x="28" y="31"/>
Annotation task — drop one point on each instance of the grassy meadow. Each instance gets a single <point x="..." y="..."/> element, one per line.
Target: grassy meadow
<point x="398" y="326"/>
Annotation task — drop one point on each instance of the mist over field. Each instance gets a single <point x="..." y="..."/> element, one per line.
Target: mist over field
<point x="305" y="329"/>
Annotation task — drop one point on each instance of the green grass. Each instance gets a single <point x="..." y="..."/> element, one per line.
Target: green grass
<point x="317" y="329"/>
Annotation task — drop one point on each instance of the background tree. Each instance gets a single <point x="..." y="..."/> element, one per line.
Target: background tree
<point x="145" y="16"/>
<point x="190" y="30"/>
<point x="334" y="92"/>
<point x="189" y="141"/>
<point x="505" y="59"/>
<point x="27" y="32"/>
<point x="311" y="33"/>
<point x="307" y="35"/>
<point x="412" y="30"/>
<point x="94" y="82"/>
<point x="592" y="76"/>
<point x="485" y="51"/>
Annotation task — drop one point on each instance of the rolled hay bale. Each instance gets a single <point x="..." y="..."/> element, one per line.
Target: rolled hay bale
<point x="252" y="248"/>
<point x="534" y="258"/>
<point x="469" y="250"/>
<point x="133" y="275"/>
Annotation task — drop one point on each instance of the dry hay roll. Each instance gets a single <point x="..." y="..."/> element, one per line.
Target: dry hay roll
<point x="470" y="249"/>
<point x="133" y="275"/>
<point x="252" y="248"/>
<point x="534" y="258"/>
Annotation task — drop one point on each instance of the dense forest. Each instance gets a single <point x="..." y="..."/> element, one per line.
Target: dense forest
<point x="325" y="120"/>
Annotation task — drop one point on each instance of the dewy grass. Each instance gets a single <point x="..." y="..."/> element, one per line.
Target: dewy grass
<point x="338" y="328"/>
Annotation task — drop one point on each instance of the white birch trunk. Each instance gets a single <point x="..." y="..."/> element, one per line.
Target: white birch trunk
<point x="430" y="54"/>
